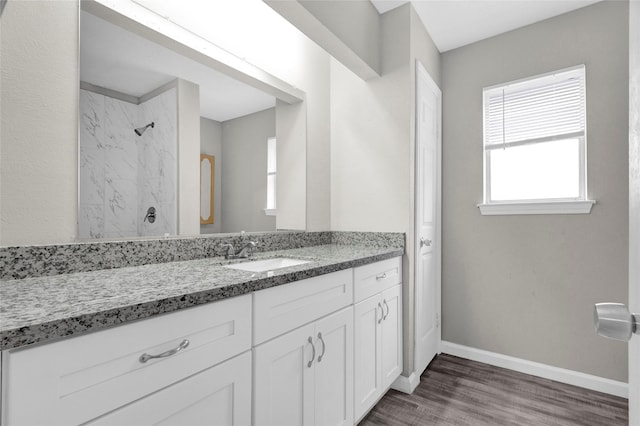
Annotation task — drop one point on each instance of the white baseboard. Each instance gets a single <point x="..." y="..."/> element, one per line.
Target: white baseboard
<point x="562" y="375"/>
<point x="406" y="384"/>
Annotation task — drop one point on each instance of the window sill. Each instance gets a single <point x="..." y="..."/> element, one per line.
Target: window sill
<point x="544" y="207"/>
<point x="270" y="212"/>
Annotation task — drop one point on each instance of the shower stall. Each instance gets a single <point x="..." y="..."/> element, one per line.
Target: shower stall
<point x="128" y="169"/>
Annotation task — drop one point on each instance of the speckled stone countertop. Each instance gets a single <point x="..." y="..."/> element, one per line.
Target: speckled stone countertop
<point x="43" y="308"/>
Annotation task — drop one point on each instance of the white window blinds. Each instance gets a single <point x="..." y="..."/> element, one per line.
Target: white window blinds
<point x="546" y="108"/>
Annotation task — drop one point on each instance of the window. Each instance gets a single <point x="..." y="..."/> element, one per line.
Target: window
<point x="270" y="210"/>
<point x="535" y="145"/>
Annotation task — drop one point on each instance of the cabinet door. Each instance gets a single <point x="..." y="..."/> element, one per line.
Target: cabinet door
<point x="283" y="379"/>
<point x="334" y="369"/>
<point x="391" y="326"/>
<point x="217" y="396"/>
<point x="368" y="382"/>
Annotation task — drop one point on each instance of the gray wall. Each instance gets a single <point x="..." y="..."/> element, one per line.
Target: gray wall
<point x="525" y="286"/>
<point x="211" y="144"/>
<point x="244" y="172"/>
<point x="39" y="131"/>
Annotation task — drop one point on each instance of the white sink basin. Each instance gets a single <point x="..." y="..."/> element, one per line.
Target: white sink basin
<point x="267" y="264"/>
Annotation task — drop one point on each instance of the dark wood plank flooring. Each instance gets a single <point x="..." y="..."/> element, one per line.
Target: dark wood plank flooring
<point x="456" y="391"/>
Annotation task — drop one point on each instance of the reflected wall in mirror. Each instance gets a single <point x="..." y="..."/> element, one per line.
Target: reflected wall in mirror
<point x="128" y="82"/>
<point x="241" y="144"/>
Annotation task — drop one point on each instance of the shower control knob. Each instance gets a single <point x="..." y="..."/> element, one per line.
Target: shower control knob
<point x="613" y="320"/>
<point x="151" y="215"/>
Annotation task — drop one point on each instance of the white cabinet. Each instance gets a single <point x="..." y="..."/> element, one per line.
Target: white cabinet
<point x="283" y="308"/>
<point x="305" y="377"/>
<point x="280" y="356"/>
<point x="334" y="370"/>
<point x="378" y="347"/>
<point x="76" y="380"/>
<point x="283" y="379"/>
<point x="371" y="279"/>
<point x="219" y="395"/>
<point x="391" y="332"/>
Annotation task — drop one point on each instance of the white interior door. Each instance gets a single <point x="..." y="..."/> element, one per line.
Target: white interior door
<point x="427" y="248"/>
<point x="634" y="206"/>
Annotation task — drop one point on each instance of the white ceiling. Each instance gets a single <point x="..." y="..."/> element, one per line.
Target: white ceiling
<point x="455" y="23"/>
<point x="116" y="59"/>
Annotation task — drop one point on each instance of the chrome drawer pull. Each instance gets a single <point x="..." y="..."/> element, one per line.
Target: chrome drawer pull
<point x="323" y="347"/>
<point x="146" y="357"/>
<point x="381" y="277"/>
<point x="385" y="315"/>
<point x="313" y="356"/>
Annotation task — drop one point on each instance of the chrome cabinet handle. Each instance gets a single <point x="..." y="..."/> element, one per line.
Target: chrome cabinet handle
<point x="324" y="346"/>
<point x="425" y="242"/>
<point x="381" y="276"/>
<point x="385" y="315"/>
<point x="313" y="356"/>
<point x="146" y="357"/>
<point x="382" y="312"/>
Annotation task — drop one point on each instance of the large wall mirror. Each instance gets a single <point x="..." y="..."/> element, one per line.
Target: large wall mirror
<point x="144" y="96"/>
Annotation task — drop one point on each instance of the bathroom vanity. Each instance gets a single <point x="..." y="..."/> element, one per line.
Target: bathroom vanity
<point x="198" y="342"/>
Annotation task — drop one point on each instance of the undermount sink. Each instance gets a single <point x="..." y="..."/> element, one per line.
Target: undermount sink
<point x="267" y="264"/>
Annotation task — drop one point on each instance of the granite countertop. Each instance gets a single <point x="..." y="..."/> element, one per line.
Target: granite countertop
<point x="44" y="308"/>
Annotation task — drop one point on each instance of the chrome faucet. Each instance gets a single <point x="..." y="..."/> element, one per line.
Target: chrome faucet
<point x="230" y="254"/>
<point x="245" y="252"/>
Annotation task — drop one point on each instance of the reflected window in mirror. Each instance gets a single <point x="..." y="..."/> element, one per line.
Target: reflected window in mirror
<point x="270" y="209"/>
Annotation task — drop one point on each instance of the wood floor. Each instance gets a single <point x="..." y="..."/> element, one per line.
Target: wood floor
<point x="456" y="391"/>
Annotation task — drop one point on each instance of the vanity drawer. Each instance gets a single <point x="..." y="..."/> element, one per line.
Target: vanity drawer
<point x="283" y="308"/>
<point x="76" y="380"/>
<point x="371" y="279"/>
<point x="219" y="395"/>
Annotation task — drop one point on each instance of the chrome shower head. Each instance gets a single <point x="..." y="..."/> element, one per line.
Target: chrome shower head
<point x="140" y="130"/>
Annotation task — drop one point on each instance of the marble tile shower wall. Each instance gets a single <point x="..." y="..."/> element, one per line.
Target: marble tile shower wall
<point x="33" y="261"/>
<point x="123" y="174"/>
<point x="157" y="165"/>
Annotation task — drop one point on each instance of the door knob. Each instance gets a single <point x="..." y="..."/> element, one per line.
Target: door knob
<point x="613" y="320"/>
<point x="425" y="242"/>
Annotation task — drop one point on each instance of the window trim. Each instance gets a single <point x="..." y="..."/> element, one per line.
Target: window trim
<point x="579" y="205"/>
<point x="537" y="207"/>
